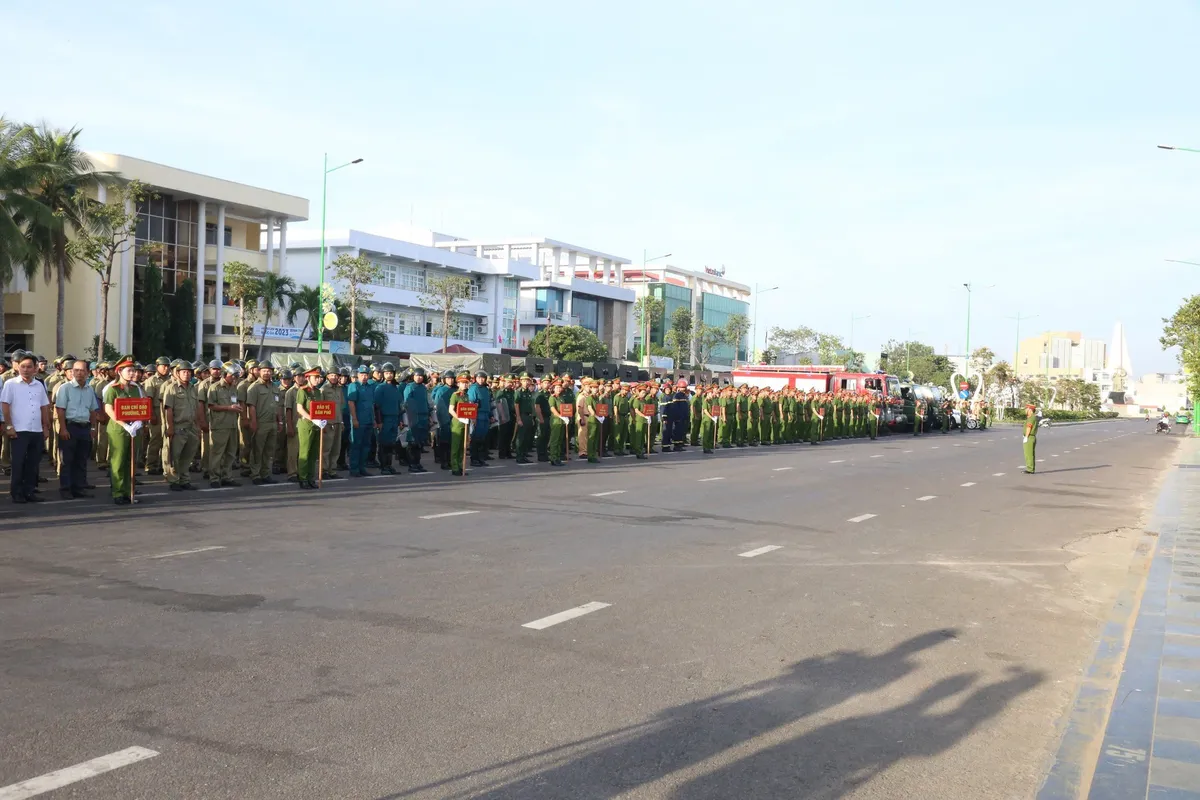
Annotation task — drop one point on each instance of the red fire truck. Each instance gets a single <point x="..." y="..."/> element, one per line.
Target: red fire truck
<point x="826" y="378"/>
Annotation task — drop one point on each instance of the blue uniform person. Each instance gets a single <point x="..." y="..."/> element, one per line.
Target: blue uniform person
<point x="441" y="409"/>
<point x="416" y="412"/>
<point x="678" y="417"/>
<point x="360" y="397"/>
<point x="479" y="394"/>
<point x="387" y="402"/>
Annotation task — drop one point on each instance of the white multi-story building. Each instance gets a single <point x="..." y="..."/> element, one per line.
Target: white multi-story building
<point x="562" y="290"/>
<point x="487" y="321"/>
<point x="712" y="298"/>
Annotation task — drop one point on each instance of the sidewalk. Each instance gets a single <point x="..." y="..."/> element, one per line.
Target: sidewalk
<point x="1143" y="687"/>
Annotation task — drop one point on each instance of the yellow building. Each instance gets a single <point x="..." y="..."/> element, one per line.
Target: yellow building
<point x="240" y="223"/>
<point x="1060" y="354"/>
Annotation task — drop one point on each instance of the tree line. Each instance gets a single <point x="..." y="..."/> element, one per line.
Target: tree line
<point x="686" y="335"/>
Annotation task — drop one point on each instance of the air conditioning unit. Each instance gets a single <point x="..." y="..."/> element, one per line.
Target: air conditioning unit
<point x="483" y="325"/>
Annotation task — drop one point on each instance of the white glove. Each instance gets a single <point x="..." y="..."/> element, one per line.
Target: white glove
<point x="601" y="420"/>
<point x="137" y="426"/>
<point x="1024" y="438"/>
<point x="320" y="423"/>
<point x="128" y="426"/>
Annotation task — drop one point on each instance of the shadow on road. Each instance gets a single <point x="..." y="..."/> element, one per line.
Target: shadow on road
<point x="827" y="761"/>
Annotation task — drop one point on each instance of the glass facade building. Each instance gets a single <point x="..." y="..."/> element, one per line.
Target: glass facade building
<point x="713" y="310"/>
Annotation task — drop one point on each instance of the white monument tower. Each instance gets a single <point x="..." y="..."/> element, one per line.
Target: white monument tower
<point x="1118" y="362"/>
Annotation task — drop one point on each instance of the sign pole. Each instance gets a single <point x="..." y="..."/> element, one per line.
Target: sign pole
<point x="132" y="469"/>
<point x="466" y="443"/>
<point x="320" y="456"/>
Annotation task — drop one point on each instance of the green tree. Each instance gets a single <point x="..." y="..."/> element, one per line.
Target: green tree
<point x="181" y="324"/>
<point x="678" y="338"/>
<point x="568" y="343"/>
<point x="446" y="296"/>
<point x="152" y="321"/>
<point x="1182" y="330"/>
<point x="18" y="211"/>
<point x="855" y="361"/>
<point x="829" y="348"/>
<point x="109" y="234"/>
<point x="275" y="291"/>
<point x="736" y="329"/>
<point x="982" y="359"/>
<point x="707" y="338"/>
<point x="648" y="310"/>
<point x="356" y="272"/>
<point x="788" y="341"/>
<point x="62" y="185"/>
<point x="109" y="351"/>
<point x="307" y="299"/>
<point x="245" y="286"/>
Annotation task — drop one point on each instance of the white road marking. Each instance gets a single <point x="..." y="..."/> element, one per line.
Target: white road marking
<point x="935" y="447"/>
<point x="706" y="480"/>
<point x="908" y="451"/>
<point x="189" y="552"/>
<point x="448" y="514"/>
<point x="837" y="461"/>
<point x="997" y="474"/>
<point x="927" y="497"/>
<point x="780" y="469"/>
<point x="562" y="616"/>
<point x="526" y="464"/>
<point x="1040" y="460"/>
<point x="65" y="777"/>
<point x="277" y="485"/>
<point x="606" y="494"/>
<point x="219" y="489"/>
<point x="958" y="445"/>
<point x="861" y="518"/>
<point x="1054" y="455"/>
<point x="967" y="484"/>
<point x="759" y="551"/>
<point x="877" y="456"/>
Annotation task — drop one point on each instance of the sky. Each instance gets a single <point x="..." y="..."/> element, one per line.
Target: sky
<point x="868" y="158"/>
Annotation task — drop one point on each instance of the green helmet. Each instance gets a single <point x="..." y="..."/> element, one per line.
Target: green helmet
<point x="163" y="361"/>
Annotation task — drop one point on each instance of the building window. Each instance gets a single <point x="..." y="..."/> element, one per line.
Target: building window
<point x="412" y="279"/>
<point x="588" y="311"/>
<point x="210" y="234"/>
<point x="464" y="328"/>
<point x="389" y="274"/>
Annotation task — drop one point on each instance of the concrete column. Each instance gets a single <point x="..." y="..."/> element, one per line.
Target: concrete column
<point x="283" y="247"/>
<point x="479" y="251"/>
<point x="508" y="252"/>
<point x="218" y="320"/>
<point x="608" y="271"/>
<point x="535" y="255"/>
<point x="125" y="284"/>
<point x="555" y="263"/>
<point x="201" y="224"/>
<point x="101" y="196"/>
<point x="571" y="259"/>
<point x="270" y="244"/>
<point x="620" y="273"/>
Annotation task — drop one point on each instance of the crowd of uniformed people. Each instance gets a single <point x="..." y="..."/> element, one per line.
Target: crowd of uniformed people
<point x="212" y="421"/>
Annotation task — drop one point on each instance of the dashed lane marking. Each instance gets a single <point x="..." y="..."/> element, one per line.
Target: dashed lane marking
<point x="1040" y="460"/>
<point x="837" y="461"/>
<point x="562" y="616"/>
<point x="861" y="518"/>
<point x="449" y="514"/>
<point x="780" y="469"/>
<point x="82" y="771"/>
<point x="760" y="551"/>
<point x="219" y="489"/>
<point x="174" y="553"/>
<point x="1054" y="455"/>
<point x="877" y="456"/>
<point x="606" y="494"/>
<point x="935" y="447"/>
<point x="997" y="474"/>
<point x="908" y="451"/>
<point x="967" y="484"/>
<point x="706" y="480"/>
<point x="927" y="497"/>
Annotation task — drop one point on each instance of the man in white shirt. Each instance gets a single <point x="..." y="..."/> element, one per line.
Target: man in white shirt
<point x="26" y="410"/>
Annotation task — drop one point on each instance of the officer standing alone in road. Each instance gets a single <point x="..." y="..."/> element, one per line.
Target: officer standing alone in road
<point x="1030" y="439"/>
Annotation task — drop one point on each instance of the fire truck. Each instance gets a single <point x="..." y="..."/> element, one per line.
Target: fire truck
<point x="827" y="378"/>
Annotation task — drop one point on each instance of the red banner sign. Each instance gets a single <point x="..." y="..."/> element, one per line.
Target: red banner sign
<point x="601" y="409"/>
<point x="322" y="409"/>
<point x="566" y="409"/>
<point x="133" y="409"/>
<point x="467" y="410"/>
<point x="649" y="409"/>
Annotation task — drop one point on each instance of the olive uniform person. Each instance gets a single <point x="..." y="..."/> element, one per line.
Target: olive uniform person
<point x="263" y="423"/>
<point x="224" y="412"/>
<point x="183" y="424"/>
<point x="458" y="425"/>
<point x="1030" y="439"/>
<point x="121" y="435"/>
<point x="308" y="431"/>
<point x="524" y="418"/>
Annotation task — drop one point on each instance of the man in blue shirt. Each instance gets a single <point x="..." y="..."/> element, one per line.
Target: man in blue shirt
<point x="360" y="398"/>
<point x="387" y="400"/>
<point x="77" y="407"/>
<point x="416" y="412"/>
<point x="479" y="393"/>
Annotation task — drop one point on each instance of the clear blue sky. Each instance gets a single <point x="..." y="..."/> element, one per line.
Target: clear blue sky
<point x="866" y="156"/>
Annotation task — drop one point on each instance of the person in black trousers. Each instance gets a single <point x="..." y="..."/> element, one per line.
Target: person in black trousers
<point x="78" y="408"/>
<point x="26" y="411"/>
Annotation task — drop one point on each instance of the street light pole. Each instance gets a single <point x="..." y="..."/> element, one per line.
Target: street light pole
<point x="1017" y="351"/>
<point x="1195" y="416"/>
<point x="754" y="325"/>
<point x="967" y="355"/>
<point x="645" y="309"/>
<point x="321" y="286"/>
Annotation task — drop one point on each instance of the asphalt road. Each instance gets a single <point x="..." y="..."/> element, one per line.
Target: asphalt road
<point x="269" y="643"/>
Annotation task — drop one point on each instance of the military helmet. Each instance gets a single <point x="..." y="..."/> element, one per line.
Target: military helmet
<point x="266" y="365"/>
<point x="480" y="374"/>
<point x="215" y="364"/>
<point x="295" y="365"/>
<point x="285" y="374"/>
<point x="419" y="371"/>
<point x="163" y="361"/>
<point x="251" y="364"/>
<point x="389" y="367"/>
<point x="231" y="368"/>
<point x="344" y="372"/>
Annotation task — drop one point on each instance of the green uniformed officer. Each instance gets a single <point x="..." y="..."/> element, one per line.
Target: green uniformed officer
<point x="524" y="418"/>
<point x="1029" y="440"/>
<point x="224" y="412"/>
<point x="153" y="388"/>
<point x="561" y="414"/>
<point x="263" y="422"/>
<point x="541" y="406"/>
<point x="121" y="436"/>
<point x="458" y="425"/>
<point x="308" y="431"/>
<point x="183" y="424"/>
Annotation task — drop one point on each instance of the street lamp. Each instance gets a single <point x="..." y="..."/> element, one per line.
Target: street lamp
<point x="645" y="312"/>
<point x="1173" y="147"/>
<point x="1017" y="352"/>
<point x="754" y="325"/>
<point x="321" y="289"/>
<point x="853" y="319"/>
<point x="967" y="355"/>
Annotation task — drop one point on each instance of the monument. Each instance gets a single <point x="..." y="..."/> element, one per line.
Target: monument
<point x="1119" y="364"/>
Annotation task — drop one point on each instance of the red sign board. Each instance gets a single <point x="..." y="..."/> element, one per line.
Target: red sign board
<point x="964" y="386"/>
<point x="467" y="410"/>
<point x="566" y="409"/>
<point x="649" y="409"/>
<point x="601" y="409"/>
<point x="133" y="409"/>
<point x="322" y="409"/>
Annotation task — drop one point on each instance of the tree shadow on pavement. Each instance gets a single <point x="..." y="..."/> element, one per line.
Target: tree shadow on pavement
<point x="841" y="754"/>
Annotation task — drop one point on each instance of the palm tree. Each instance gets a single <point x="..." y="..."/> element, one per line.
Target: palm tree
<point x="17" y="209"/>
<point x="275" y="291"/>
<point x="307" y="299"/>
<point x="67" y="172"/>
<point x="369" y="334"/>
